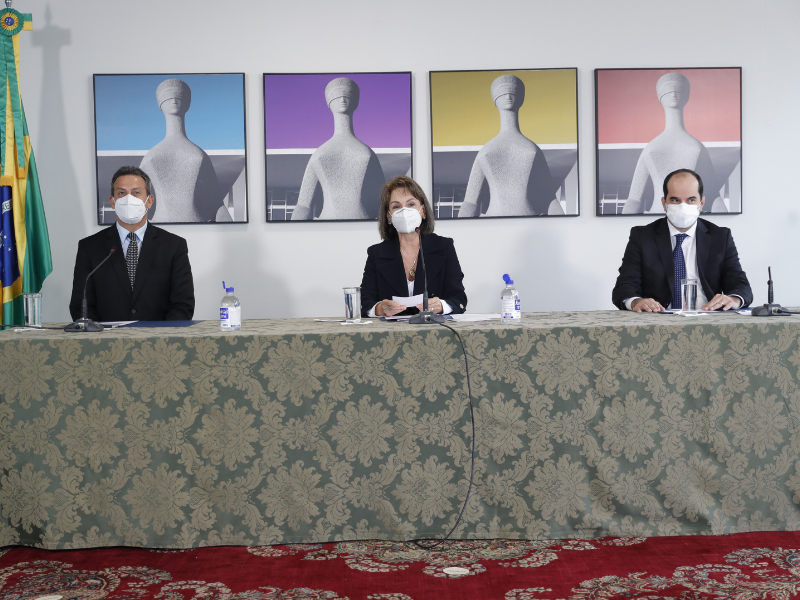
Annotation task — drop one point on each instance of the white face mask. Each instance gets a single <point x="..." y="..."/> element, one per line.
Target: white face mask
<point x="683" y="215"/>
<point x="406" y="220"/>
<point x="130" y="209"/>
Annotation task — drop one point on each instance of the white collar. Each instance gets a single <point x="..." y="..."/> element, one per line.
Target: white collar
<point x="123" y="233"/>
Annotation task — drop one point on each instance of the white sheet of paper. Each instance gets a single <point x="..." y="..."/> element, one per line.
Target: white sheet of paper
<point x="467" y="317"/>
<point x="408" y="300"/>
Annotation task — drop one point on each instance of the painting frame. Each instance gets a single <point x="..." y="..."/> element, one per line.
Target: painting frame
<point x="710" y="113"/>
<point x="301" y="122"/>
<point x="464" y="112"/>
<point x="128" y="111"/>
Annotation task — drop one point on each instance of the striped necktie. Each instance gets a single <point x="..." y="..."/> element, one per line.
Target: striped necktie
<point x="680" y="271"/>
<point x="132" y="257"/>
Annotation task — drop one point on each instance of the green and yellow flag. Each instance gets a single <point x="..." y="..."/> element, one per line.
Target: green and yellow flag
<point x="25" y="258"/>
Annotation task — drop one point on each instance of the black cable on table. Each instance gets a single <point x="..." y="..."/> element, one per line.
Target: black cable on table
<point x="436" y="543"/>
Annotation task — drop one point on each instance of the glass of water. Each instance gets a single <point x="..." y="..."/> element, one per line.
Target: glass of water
<point x="689" y="289"/>
<point x="33" y="310"/>
<point x="352" y="304"/>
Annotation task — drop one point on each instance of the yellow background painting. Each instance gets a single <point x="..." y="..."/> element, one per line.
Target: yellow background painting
<point x="463" y="113"/>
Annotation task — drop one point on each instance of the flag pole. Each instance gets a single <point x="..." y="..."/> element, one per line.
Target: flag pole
<point x="25" y="258"/>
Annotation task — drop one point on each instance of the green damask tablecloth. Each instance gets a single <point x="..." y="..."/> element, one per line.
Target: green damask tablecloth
<point x="588" y="424"/>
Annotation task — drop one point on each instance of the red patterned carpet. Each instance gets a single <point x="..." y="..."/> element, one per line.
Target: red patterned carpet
<point x="741" y="566"/>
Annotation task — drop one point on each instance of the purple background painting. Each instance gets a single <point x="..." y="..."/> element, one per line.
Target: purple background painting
<point x="296" y="115"/>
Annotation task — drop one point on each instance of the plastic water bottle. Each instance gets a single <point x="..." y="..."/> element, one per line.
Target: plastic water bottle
<point x="509" y="311"/>
<point x="230" y="311"/>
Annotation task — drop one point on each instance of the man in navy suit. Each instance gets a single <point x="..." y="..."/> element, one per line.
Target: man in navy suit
<point x="647" y="277"/>
<point x="148" y="278"/>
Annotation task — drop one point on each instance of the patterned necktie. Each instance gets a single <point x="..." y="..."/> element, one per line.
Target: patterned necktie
<point x="680" y="271"/>
<point x="132" y="257"/>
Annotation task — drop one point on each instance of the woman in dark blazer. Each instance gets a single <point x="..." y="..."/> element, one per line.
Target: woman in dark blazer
<point x="394" y="267"/>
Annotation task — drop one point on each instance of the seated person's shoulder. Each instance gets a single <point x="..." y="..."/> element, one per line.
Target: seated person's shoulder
<point x="714" y="228"/>
<point x="167" y="235"/>
<point x="377" y="248"/>
<point x="441" y="241"/>
<point x="100" y="235"/>
<point x="638" y="230"/>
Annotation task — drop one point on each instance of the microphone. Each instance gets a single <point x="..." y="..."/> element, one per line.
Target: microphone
<point x="769" y="285"/>
<point x="85" y="323"/>
<point x="426" y="316"/>
<point x="769" y="309"/>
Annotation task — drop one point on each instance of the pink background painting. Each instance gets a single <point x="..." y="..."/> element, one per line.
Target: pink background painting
<point x="628" y="110"/>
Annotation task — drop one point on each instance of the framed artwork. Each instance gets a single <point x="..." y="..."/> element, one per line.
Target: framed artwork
<point x="186" y="131"/>
<point x="332" y="140"/>
<point x="650" y="122"/>
<point x="505" y="143"/>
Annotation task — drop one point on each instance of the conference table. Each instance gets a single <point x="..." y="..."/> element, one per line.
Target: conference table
<point x="292" y="430"/>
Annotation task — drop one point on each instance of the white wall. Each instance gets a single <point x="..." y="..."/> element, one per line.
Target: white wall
<point x="298" y="269"/>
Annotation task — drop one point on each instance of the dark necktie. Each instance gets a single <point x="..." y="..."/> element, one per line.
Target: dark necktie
<point x="132" y="257"/>
<point x="680" y="271"/>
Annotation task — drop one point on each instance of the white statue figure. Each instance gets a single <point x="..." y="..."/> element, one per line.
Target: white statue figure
<point x="184" y="181"/>
<point x="514" y="167"/>
<point x="674" y="148"/>
<point x="344" y="167"/>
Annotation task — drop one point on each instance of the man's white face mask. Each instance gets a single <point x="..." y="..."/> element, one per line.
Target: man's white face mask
<point x="683" y="215"/>
<point x="406" y="220"/>
<point x="130" y="209"/>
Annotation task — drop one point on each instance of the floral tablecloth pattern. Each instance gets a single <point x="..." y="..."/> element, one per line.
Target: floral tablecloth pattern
<point x="587" y="424"/>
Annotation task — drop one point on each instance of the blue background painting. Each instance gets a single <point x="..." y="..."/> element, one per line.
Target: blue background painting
<point x="128" y="118"/>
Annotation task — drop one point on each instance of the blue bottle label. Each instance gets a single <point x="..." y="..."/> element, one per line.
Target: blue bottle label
<point x="223" y="314"/>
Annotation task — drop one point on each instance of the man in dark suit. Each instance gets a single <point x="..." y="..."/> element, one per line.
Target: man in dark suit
<point x="651" y="266"/>
<point x="148" y="278"/>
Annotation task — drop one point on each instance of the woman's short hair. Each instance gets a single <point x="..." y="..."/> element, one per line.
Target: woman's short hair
<point x="400" y="182"/>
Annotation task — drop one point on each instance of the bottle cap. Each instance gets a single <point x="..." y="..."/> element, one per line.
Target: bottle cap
<point x="508" y="279"/>
<point x="228" y="290"/>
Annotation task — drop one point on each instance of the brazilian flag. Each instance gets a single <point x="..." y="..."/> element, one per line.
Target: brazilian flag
<point x="25" y="258"/>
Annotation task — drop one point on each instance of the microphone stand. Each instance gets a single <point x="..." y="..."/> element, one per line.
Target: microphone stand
<point x="85" y="323"/>
<point x="769" y="309"/>
<point x="426" y="316"/>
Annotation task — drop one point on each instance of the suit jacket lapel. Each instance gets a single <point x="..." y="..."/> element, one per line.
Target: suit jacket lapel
<point x="434" y="261"/>
<point x="149" y="251"/>
<point x="390" y="267"/>
<point x="664" y="246"/>
<point x="118" y="262"/>
<point x="703" y="247"/>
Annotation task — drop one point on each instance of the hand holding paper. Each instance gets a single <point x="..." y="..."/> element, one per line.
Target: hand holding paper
<point x="388" y="308"/>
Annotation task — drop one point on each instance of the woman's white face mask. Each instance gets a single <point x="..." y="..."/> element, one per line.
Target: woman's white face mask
<point x="683" y="215"/>
<point x="130" y="209"/>
<point x="406" y="220"/>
